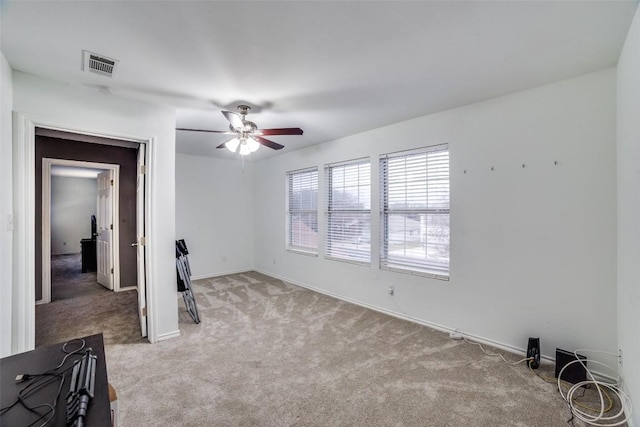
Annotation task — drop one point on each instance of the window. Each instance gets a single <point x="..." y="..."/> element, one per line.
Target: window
<point x="415" y="211"/>
<point x="348" y="211"/>
<point x="302" y="210"/>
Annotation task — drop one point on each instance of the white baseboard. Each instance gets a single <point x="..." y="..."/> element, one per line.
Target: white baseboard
<point x="211" y="275"/>
<point x="169" y="335"/>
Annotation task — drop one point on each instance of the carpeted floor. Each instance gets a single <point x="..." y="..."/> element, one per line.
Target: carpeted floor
<point x="68" y="280"/>
<point x="80" y="307"/>
<point x="268" y="353"/>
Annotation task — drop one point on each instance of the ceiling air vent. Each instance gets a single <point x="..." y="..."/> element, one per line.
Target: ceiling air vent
<point x="98" y="64"/>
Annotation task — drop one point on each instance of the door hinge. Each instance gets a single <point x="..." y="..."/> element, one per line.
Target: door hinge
<point x="143" y="169"/>
<point x="144" y="311"/>
<point x="111" y="227"/>
<point x="143" y="241"/>
<point x="111" y="270"/>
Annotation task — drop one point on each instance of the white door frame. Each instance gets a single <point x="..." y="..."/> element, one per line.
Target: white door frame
<point x="140" y="239"/>
<point x="23" y="283"/>
<point x="46" y="220"/>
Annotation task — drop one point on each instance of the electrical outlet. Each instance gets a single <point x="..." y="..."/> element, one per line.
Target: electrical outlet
<point x="455" y="336"/>
<point x="620" y="356"/>
<point x="392" y="289"/>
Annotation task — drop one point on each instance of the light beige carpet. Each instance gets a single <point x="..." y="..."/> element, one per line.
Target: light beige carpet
<point x="268" y="353"/>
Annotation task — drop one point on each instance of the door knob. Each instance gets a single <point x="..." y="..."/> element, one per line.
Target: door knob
<point x="134" y="244"/>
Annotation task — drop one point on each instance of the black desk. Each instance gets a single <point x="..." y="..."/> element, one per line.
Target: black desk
<point x="40" y="360"/>
<point x="89" y="256"/>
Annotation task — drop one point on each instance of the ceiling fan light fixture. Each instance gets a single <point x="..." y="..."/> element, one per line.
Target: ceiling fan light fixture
<point x="248" y="137"/>
<point x="232" y="144"/>
<point x="244" y="149"/>
<point x="253" y="144"/>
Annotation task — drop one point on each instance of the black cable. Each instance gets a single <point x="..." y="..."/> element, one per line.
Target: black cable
<point x="52" y="406"/>
<point x="36" y="383"/>
<point x="31" y="389"/>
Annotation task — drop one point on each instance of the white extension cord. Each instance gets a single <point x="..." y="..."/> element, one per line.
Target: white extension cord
<point x="615" y="388"/>
<point x="599" y="420"/>
<point x="456" y="335"/>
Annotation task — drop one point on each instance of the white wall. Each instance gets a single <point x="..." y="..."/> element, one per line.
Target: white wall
<point x="79" y="108"/>
<point x="214" y="214"/>
<point x="532" y="249"/>
<point x="73" y="201"/>
<point x="629" y="212"/>
<point x="6" y="205"/>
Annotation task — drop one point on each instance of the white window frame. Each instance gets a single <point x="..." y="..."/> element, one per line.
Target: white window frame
<point x="357" y="255"/>
<point x="310" y="174"/>
<point x="434" y="267"/>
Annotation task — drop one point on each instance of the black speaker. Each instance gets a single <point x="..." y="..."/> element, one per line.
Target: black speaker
<point x="573" y="373"/>
<point x="533" y="352"/>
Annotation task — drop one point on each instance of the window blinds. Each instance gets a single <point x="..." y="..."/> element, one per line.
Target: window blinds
<point x="302" y="210"/>
<point x="415" y="211"/>
<point x="348" y="211"/>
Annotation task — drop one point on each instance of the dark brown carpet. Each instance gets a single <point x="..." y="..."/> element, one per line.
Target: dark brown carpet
<point x="81" y="307"/>
<point x="68" y="281"/>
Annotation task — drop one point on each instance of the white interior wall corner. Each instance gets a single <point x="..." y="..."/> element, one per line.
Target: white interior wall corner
<point x="214" y="214"/>
<point x="6" y="206"/>
<point x="73" y="201"/>
<point x="628" y="211"/>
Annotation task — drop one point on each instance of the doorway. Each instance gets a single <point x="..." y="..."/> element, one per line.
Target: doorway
<point x="105" y="211"/>
<point x="26" y="184"/>
<point x="73" y="258"/>
<point x="120" y="210"/>
<point x="121" y="260"/>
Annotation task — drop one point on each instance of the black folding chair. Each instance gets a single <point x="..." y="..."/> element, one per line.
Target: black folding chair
<point x="184" y="279"/>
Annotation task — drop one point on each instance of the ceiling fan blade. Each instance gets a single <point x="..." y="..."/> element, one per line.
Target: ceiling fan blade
<point x="267" y="143"/>
<point x="223" y="145"/>
<point x="225" y="132"/>
<point x="281" y="131"/>
<point x="234" y="118"/>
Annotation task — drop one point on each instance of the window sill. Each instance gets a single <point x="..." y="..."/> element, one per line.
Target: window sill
<point x="431" y="275"/>
<point x="302" y="252"/>
<point x="348" y="261"/>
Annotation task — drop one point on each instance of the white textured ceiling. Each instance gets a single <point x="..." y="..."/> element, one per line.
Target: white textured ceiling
<point x="331" y="68"/>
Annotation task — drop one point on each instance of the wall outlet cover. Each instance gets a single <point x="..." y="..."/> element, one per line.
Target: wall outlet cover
<point x="533" y="352"/>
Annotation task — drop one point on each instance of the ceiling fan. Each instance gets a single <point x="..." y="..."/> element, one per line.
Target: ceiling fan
<point x="247" y="137"/>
